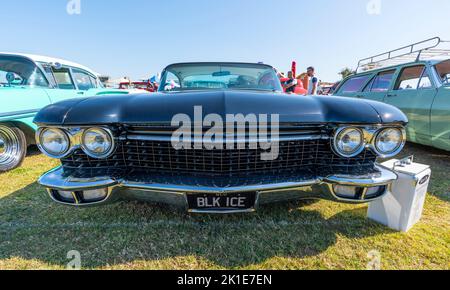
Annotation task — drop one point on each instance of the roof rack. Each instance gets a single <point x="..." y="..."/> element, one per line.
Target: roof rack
<point x="423" y="50"/>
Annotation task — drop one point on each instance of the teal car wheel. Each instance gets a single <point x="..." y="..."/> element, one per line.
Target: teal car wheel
<point x="13" y="147"/>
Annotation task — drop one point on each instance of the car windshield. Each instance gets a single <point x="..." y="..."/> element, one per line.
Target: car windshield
<point x="19" y="71"/>
<point x="220" y="76"/>
<point x="443" y="69"/>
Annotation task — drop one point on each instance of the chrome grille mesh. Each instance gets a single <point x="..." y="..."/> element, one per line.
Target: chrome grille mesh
<point x="314" y="156"/>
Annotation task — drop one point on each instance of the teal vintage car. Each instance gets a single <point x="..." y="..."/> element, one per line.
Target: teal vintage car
<point x="29" y="83"/>
<point x="418" y="84"/>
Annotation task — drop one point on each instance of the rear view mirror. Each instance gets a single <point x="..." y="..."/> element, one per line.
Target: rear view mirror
<point x="221" y="74"/>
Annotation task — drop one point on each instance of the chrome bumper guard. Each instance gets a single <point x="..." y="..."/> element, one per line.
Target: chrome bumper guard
<point x="320" y="188"/>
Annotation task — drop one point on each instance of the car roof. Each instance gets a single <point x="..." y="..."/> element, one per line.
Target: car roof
<point x="217" y="62"/>
<point x="46" y="59"/>
<point x="392" y="67"/>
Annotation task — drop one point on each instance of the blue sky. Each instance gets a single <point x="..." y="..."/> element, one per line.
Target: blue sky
<point x="138" y="38"/>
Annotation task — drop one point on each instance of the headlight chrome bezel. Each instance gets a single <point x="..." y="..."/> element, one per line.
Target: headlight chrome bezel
<point x="393" y="153"/>
<point x="339" y="132"/>
<point x="370" y="137"/>
<point x="41" y="146"/>
<point x="75" y="137"/>
<point x="92" y="154"/>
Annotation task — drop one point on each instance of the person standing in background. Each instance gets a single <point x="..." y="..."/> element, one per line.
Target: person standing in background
<point x="290" y="84"/>
<point x="313" y="81"/>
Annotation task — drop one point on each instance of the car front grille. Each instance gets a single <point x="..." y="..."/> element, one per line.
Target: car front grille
<point x="312" y="156"/>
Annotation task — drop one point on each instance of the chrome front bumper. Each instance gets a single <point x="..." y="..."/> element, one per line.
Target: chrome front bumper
<point x="321" y="188"/>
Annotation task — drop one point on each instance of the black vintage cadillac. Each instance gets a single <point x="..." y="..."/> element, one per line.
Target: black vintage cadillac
<point x="218" y="138"/>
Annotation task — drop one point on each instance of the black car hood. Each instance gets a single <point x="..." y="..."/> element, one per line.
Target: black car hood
<point x="162" y="107"/>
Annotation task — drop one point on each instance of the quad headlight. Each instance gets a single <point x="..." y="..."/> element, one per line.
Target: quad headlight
<point x="349" y="142"/>
<point x="97" y="142"/>
<point x="53" y="142"/>
<point x="389" y="142"/>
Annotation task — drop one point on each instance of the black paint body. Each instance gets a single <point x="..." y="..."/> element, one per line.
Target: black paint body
<point x="162" y="107"/>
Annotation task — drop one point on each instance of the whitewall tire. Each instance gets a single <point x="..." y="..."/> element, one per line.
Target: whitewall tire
<point x="13" y="147"/>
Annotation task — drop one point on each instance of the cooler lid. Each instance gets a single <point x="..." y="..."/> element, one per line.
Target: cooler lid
<point x="412" y="169"/>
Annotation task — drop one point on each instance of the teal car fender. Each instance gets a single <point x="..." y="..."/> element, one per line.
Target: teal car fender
<point x="20" y="105"/>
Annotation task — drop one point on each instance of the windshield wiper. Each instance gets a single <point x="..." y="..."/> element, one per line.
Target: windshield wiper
<point x="253" y="89"/>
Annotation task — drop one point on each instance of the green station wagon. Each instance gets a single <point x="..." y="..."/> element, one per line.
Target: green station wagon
<point x="420" y="88"/>
<point x="29" y="83"/>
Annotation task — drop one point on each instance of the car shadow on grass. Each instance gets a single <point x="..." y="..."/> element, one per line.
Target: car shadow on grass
<point x="33" y="228"/>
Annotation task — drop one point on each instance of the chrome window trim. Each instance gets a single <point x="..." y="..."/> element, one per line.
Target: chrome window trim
<point x="19" y="113"/>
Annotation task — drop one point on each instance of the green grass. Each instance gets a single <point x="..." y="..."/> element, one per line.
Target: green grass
<point x="37" y="234"/>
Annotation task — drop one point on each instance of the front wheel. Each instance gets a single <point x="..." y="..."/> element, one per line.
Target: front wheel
<point x="13" y="147"/>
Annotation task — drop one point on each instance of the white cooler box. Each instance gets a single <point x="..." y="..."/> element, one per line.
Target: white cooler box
<point x="403" y="207"/>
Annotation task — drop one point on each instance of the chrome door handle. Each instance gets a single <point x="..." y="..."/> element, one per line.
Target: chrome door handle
<point x="391" y="95"/>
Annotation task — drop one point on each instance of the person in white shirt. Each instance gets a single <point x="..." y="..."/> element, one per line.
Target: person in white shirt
<point x="313" y="81"/>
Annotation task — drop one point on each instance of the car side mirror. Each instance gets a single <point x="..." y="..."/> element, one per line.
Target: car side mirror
<point x="10" y="78"/>
<point x="57" y="65"/>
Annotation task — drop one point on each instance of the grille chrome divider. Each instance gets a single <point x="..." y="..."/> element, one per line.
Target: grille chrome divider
<point x="163" y="138"/>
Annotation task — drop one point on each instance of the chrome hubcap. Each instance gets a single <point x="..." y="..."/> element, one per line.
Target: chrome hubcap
<point x="9" y="147"/>
<point x="2" y="146"/>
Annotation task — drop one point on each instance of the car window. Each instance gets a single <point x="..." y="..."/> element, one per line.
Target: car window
<point x="63" y="79"/>
<point x="49" y="74"/>
<point x="220" y="76"/>
<point x="369" y="85"/>
<point x="83" y="80"/>
<point x="443" y="69"/>
<point x="18" y="80"/>
<point x="23" y="72"/>
<point x="409" y="78"/>
<point x="354" y="84"/>
<point x="171" y="82"/>
<point x="425" y="81"/>
<point x="93" y="81"/>
<point x="382" y="81"/>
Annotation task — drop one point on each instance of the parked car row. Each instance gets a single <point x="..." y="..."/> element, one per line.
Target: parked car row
<point x="117" y="144"/>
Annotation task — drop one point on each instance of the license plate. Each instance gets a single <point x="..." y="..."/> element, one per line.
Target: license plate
<point x="222" y="202"/>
